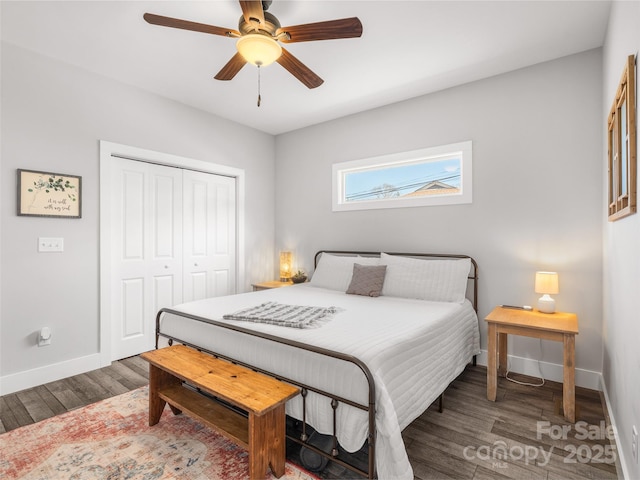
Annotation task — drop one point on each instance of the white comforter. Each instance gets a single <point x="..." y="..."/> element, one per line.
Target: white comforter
<point x="413" y="348"/>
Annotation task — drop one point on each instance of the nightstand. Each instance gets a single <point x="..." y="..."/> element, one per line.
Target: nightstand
<point x="558" y="326"/>
<point x="268" y="285"/>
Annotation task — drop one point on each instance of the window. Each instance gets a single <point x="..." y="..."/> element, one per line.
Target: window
<point x="431" y="176"/>
<point x="622" y="146"/>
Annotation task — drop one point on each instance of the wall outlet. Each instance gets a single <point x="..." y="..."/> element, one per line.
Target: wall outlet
<point x="44" y="337"/>
<point x="634" y="443"/>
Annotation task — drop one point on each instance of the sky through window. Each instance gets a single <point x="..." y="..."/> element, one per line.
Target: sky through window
<point x="397" y="181"/>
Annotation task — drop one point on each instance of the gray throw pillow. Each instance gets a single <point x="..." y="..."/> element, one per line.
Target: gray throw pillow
<point x="367" y="280"/>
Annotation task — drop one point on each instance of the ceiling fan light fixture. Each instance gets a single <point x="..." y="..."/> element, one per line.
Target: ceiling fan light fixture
<point x="259" y="49"/>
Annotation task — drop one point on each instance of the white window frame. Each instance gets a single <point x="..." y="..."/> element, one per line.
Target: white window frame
<point x="464" y="195"/>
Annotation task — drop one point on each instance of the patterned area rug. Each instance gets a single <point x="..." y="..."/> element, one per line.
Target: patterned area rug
<point x="112" y="440"/>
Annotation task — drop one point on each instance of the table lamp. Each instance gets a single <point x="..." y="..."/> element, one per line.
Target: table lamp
<point x="546" y="283"/>
<point x="285" y="266"/>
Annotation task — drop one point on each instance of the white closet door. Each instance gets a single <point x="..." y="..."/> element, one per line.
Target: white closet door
<point x="147" y="257"/>
<point x="209" y="235"/>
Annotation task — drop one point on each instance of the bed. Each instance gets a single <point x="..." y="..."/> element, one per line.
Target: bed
<point x="367" y="368"/>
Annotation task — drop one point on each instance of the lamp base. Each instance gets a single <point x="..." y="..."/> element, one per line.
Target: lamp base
<point x="546" y="304"/>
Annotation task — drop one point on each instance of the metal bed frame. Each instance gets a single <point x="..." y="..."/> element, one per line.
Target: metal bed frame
<point x="335" y="400"/>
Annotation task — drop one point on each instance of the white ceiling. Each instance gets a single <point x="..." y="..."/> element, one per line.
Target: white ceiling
<point x="408" y="48"/>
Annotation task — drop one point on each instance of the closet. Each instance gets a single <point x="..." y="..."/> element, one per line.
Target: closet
<point x="172" y="240"/>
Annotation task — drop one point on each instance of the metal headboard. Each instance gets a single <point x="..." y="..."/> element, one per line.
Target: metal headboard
<point x="473" y="274"/>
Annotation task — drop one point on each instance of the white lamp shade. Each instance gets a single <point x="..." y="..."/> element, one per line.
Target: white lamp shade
<point x="547" y="282"/>
<point x="259" y="49"/>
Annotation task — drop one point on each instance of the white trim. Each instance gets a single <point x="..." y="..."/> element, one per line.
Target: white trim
<point x="463" y="149"/>
<point x="622" y="463"/>
<point x="48" y="373"/>
<point x="550" y="371"/>
<point x="109" y="149"/>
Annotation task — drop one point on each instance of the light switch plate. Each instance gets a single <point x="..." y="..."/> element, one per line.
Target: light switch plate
<point x="50" y="244"/>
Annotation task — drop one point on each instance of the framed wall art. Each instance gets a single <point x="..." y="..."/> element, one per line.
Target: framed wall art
<point x="45" y="194"/>
<point x="621" y="134"/>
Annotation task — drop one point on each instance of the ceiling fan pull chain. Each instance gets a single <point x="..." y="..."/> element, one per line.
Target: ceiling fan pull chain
<point x="259" y="99"/>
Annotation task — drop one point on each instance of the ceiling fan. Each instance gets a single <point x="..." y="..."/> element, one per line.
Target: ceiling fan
<point x="259" y="36"/>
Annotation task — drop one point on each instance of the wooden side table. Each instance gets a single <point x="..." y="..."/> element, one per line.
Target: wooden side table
<point x="269" y="285"/>
<point x="559" y="327"/>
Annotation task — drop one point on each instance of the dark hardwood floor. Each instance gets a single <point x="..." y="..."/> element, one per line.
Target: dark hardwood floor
<point x="38" y="403"/>
<point x="520" y="436"/>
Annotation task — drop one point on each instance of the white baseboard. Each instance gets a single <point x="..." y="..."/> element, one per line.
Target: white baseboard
<point x="550" y="371"/>
<point x="49" y="373"/>
<point x="621" y="463"/>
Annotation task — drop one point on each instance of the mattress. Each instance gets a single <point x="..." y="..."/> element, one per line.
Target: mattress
<point x="413" y="348"/>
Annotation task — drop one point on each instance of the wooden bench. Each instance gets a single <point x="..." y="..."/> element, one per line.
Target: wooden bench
<point x="262" y="431"/>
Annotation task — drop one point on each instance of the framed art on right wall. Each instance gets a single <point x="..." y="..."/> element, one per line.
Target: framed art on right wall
<point x="621" y="134"/>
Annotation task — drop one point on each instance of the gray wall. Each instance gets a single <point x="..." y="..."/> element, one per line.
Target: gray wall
<point x="537" y="191"/>
<point x="53" y="116"/>
<point x="539" y="196"/>
<point x="621" y="364"/>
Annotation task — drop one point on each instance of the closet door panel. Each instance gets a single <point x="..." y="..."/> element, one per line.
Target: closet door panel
<point x="146" y="238"/>
<point x="209" y="235"/>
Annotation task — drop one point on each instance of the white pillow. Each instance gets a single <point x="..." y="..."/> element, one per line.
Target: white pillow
<point x="335" y="271"/>
<point x="435" y="280"/>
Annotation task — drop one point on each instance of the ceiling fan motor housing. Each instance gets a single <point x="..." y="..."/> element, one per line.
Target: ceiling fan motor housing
<point x="271" y="24"/>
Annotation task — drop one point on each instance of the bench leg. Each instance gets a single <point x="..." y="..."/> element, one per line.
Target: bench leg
<point x="158" y="379"/>
<point x="267" y="443"/>
<point x="175" y="410"/>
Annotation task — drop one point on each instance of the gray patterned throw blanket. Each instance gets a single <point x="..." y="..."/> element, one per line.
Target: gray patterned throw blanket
<point x="294" y="316"/>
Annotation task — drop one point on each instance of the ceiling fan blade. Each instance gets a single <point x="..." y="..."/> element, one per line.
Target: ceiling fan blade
<point x="187" y="25"/>
<point x="252" y="10"/>
<point x="232" y="67"/>
<point x="329" y="30"/>
<point x="299" y="70"/>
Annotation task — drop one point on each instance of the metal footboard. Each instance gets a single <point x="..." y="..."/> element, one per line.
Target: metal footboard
<point x="335" y="400"/>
